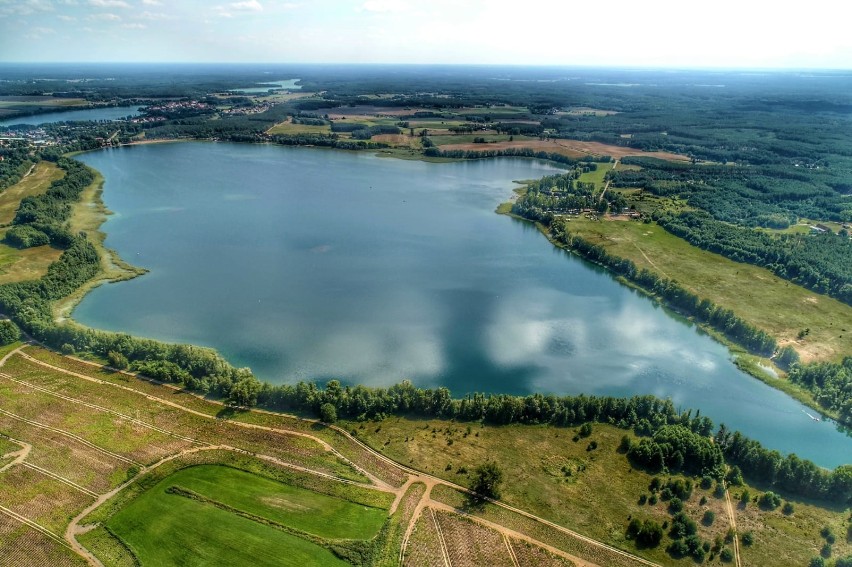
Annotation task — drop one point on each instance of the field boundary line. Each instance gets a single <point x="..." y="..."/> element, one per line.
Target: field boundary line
<point x="61" y="479"/>
<point x="444" y="551"/>
<point x="327" y="446"/>
<point x="580" y="562"/>
<point x="512" y="555"/>
<point x="733" y="521"/>
<point x="37" y="527"/>
<point x="71" y="435"/>
<point x="101" y="408"/>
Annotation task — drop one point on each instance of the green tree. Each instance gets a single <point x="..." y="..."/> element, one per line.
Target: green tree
<point x="328" y="413"/>
<point x="117" y="360"/>
<point x="9" y="332"/>
<point x="486" y="480"/>
<point x="244" y="391"/>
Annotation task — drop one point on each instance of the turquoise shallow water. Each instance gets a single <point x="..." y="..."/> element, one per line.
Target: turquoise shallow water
<point x="313" y="264"/>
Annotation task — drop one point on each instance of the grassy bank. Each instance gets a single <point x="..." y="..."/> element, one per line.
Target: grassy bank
<point x="776" y="306"/>
<point x="88" y="214"/>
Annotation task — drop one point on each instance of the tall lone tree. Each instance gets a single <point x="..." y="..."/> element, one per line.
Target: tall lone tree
<point x="486" y="480"/>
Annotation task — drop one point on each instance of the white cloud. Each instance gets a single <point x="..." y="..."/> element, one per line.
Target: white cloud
<point x="65" y="18"/>
<point x="384" y="6"/>
<point x="246" y="6"/>
<point x="153" y="16"/>
<point x="106" y="17"/>
<point x="26" y="8"/>
<point x="152" y="3"/>
<point x="109" y="3"/>
<point x="134" y="26"/>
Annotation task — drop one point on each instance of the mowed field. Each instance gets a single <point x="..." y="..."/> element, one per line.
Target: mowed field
<point x="72" y="437"/>
<point x="227" y="516"/>
<point x="89" y="456"/>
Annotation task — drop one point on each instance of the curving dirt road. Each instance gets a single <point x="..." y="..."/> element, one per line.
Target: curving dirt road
<point x="413" y="475"/>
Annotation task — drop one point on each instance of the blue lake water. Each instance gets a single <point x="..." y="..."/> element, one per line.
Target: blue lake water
<point x="309" y="264"/>
<point x="289" y="84"/>
<point x="107" y="113"/>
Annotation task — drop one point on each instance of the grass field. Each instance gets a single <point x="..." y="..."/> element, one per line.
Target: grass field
<point x="317" y="514"/>
<point x="188" y="532"/>
<point x="597" y="176"/>
<point x="288" y="128"/>
<point x="231" y="507"/>
<point x="21" y="265"/>
<point x="36" y="183"/>
<point x="593" y="492"/>
<point x="776" y="306"/>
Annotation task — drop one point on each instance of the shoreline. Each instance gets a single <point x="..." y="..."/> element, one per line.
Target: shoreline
<point x="746" y="362"/>
<point x="90" y="213"/>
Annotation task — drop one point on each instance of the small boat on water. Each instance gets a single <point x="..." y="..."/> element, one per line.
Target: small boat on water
<point x="813" y="417"/>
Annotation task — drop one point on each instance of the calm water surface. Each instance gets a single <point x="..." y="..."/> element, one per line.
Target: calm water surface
<point x="109" y="113"/>
<point x="314" y="264"/>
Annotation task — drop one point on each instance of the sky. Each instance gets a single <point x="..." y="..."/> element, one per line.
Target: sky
<point x="632" y="33"/>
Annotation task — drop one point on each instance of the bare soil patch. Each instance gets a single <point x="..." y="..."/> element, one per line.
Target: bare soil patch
<point x="342" y="112"/>
<point x="570" y="148"/>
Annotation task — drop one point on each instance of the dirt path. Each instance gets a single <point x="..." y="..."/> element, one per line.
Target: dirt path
<point x="606" y="186"/>
<point x="376" y="483"/>
<point x="508" y="532"/>
<point x="512" y="554"/>
<point x="69" y="435"/>
<point x="20" y="456"/>
<point x="650" y="261"/>
<point x="733" y="520"/>
<point x="445" y="553"/>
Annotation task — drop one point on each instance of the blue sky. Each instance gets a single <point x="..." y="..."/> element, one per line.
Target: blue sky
<point x="653" y="33"/>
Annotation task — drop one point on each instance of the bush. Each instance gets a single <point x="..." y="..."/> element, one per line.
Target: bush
<point x="328" y="413"/>
<point x="769" y="500"/>
<point x="709" y="518"/>
<point x="788" y="508"/>
<point x="9" y="332"/>
<point x="117" y="360"/>
<point x="726" y="555"/>
<point x="747" y="538"/>
<point x="675" y="505"/>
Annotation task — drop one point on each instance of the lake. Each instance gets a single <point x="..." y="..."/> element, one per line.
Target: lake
<point x="309" y="264"/>
<point x="289" y="84"/>
<point x="106" y="113"/>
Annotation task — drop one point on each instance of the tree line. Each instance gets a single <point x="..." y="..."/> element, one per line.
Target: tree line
<point x="669" y="291"/>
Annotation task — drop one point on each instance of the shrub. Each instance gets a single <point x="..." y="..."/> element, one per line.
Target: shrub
<point x="9" y="332"/>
